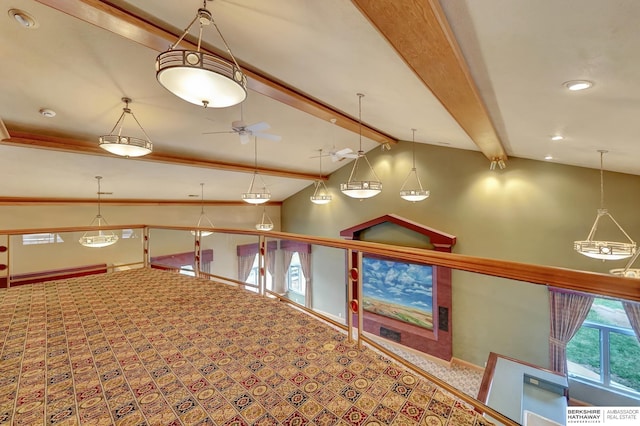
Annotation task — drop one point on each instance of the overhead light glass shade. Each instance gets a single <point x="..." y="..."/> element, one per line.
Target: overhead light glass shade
<point x="602" y="249"/>
<point x="415" y="193"/>
<point x="199" y="77"/>
<point x="98" y="238"/>
<point x="628" y="271"/>
<point x="320" y="194"/>
<point x="126" y="146"/>
<point x="361" y="189"/>
<point x="577" y="85"/>
<point x="356" y="188"/>
<point x="605" y="250"/>
<point x="203" y="220"/>
<point x="254" y="196"/>
<point x="266" y="224"/>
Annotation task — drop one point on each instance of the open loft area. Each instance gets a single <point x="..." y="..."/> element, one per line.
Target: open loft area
<point x="481" y="151"/>
<point x="432" y="312"/>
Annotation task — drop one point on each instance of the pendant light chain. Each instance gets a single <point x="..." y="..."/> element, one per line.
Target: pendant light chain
<point x="99" y="193"/>
<point x="602" y="180"/>
<point x="413" y="148"/>
<point x="202" y="198"/>
<point x="360" y="95"/>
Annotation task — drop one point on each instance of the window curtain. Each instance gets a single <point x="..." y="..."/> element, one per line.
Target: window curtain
<point x="568" y="312"/>
<point x="305" y="264"/>
<point x="246" y="257"/>
<point x="633" y="312"/>
<point x="287" y="256"/>
<point x="245" y="263"/>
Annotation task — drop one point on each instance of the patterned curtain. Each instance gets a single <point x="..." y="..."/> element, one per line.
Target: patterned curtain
<point x="245" y="263"/>
<point x="633" y="312"/>
<point x="288" y="255"/>
<point x="568" y="312"/>
<point x="305" y="264"/>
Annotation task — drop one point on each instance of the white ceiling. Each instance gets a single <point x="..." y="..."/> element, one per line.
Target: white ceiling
<point x="519" y="53"/>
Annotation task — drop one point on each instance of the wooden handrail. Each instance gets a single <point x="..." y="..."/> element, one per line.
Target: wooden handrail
<point x="569" y="279"/>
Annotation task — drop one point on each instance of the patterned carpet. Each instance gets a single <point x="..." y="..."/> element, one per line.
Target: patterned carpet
<point x="147" y="347"/>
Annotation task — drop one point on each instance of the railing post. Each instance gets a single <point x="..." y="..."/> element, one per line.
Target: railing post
<point x="349" y="313"/>
<point x="262" y="275"/>
<point x="196" y="253"/>
<point x="145" y="247"/>
<point x="5" y="241"/>
<point x="359" y="301"/>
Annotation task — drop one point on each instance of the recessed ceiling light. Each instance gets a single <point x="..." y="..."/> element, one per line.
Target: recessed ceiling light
<point x="48" y="113"/>
<point x="23" y="18"/>
<point x="575" y="85"/>
<point x="548" y="157"/>
<point x="557" y="138"/>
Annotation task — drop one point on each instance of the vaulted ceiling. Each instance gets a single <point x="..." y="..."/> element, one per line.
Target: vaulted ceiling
<point x="485" y="76"/>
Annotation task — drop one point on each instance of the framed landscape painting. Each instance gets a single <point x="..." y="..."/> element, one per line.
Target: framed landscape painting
<point x="398" y="290"/>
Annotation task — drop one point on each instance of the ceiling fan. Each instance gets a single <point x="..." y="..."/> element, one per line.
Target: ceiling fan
<point x="337" y="154"/>
<point x="245" y="131"/>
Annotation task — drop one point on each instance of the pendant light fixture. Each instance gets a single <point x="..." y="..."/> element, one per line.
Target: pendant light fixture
<point x="98" y="238"/>
<point x="415" y="193"/>
<point x="605" y="250"/>
<point x="321" y="194"/>
<point x="628" y="271"/>
<point x="199" y="77"/>
<point x="361" y="188"/>
<point x="203" y="217"/>
<point x="126" y="146"/>
<point x="254" y="196"/>
<point x="266" y="224"/>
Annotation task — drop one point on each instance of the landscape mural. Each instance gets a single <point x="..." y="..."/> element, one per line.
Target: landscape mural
<point x="399" y="290"/>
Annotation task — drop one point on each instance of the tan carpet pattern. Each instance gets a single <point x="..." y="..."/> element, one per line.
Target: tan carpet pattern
<point x="147" y="347"/>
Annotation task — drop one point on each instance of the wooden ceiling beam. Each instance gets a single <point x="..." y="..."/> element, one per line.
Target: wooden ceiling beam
<point x="418" y="30"/>
<point x="152" y="35"/>
<point x="52" y="143"/>
<point x="28" y="201"/>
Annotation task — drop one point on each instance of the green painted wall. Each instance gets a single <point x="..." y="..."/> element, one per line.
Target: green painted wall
<point x="530" y="212"/>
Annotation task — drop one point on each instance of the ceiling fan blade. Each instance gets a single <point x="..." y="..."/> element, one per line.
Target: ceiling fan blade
<point x="244" y="138"/>
<point x="258" y="127"/>
<point x="215" y="133"/>
<point x="343" y="152"/>
<point x="269" y="136"/>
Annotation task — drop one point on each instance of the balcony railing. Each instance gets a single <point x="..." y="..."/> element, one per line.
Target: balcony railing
<point x="342" y="261"/>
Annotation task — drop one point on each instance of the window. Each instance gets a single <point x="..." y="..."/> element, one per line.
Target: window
<point x="128" y="233"/>
<point x="187" y="270"/>
<point x="605" y="349"/>
<point x="46" y="238"/>
<point x="255" y="273"/>
<point x="295" y="278"/>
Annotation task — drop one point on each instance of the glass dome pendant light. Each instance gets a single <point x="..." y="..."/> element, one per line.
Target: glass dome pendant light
<point x="416" y="193"/>
<point x="254" y="196"/>
<point x="361" y="189"/>
<point x="605" y="250"/>
<point x="126" y="146"/>
<point x="98" y="238"/>
<point x="203" y="217"/>
<point x="321" y="194"/>
<point x="266" y="224"/>
<point x="199" y="77"/>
